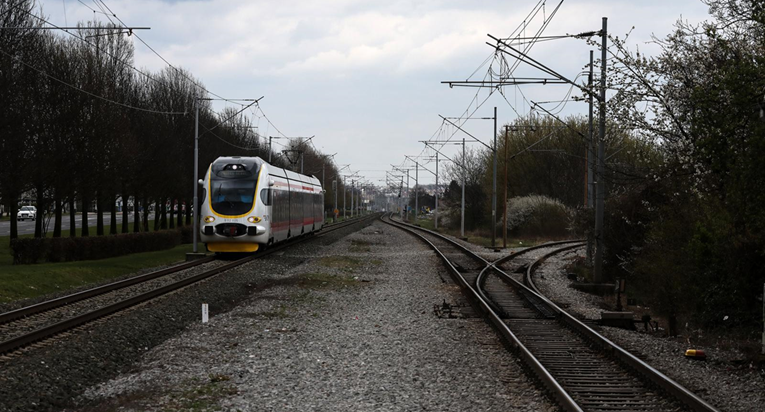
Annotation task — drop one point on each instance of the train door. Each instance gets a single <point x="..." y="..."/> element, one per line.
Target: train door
<point x="280" y="203"/>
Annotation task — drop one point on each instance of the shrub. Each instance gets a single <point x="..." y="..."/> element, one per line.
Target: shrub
<point x="537" y="216"/>
<point x="32" y="250"/>
<point x="187" y="234"/>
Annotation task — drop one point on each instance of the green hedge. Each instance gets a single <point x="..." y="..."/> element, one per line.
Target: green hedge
<point x="67" y="249"/>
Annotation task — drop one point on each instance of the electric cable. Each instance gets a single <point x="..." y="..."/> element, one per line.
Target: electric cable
<point x="160" y="56"/>
<point x="87" y="92"/>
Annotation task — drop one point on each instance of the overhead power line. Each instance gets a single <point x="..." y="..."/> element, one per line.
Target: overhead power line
<point x="159" y="55"/>
<point x="232" y="116"/>
<point x="115" y="58"/>
<point x="87" y="92"/>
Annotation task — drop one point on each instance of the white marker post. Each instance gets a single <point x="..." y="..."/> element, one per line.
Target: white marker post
<point x="205" y="313"/>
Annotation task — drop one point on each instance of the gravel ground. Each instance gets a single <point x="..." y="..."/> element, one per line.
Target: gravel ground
<point x="721" y="380"/>
<point x="350" y="328"/>
<point x="49" y="376"/>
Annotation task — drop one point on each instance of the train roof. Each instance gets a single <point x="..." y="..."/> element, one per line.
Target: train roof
<point x="254" y="164"/>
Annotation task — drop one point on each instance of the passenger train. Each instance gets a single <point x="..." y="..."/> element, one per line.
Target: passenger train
<point x="247" y="204"/>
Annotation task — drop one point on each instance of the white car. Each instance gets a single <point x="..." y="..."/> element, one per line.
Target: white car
<point x="27" y="212"/>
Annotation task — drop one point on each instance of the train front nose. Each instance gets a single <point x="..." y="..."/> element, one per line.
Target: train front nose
<point x="255" y="230"/>
<point x="232" y="230"/>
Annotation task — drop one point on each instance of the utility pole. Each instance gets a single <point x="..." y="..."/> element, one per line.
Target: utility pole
<point x="462" y="166"/>
<point x="406" y="204"/>
<point x="436" y="217"/>
<point x="407" y="195"/>
<point x="334" y="214"/>
<point x="352" y="183"/>
<point x="464" y="181"/>
<point x="504" y="209"/>
<point x="494" y="188"/>
<point x="416" y="190"/>
<point x="601" y="192"/>
<point x="343" y="197"/>
<point x="195" y="228"/>
<point x="269" y="147"/>
<point x="591" y="144"/>
<point x="494" y="179"/>
<point x="590" y="162"/>
<point x="401" y="197"/>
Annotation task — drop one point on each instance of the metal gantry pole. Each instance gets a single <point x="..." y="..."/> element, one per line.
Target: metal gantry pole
<point x="464" y="182"/>
<point x="436" y="217"/>
<point x="195" y="228"/>
<point x="494" y="188"/>
<point x="591" y="164"/>
<point x="504" y="203"/>
<point x="352" y="185"/>
<point x="407" y="195"/>
<point x="591" y="144"/>
<point x="343" y="197"/>
<point x="416" y="190"/>
<point x="401" y="197"/>
<point x="269" y="148"/>
<point x="601" y="195"/>
<point x="334" y="214"/>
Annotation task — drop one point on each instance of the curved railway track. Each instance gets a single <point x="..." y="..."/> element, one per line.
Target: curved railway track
<point x="25" y="326"/>
<point x="582" y="370"/>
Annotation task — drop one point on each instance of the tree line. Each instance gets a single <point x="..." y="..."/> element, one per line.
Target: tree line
<point x="81" y="125"/>
<point x="684" y="223"/>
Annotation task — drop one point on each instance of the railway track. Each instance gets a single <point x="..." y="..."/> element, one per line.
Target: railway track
<point x="26" y="326"/>
<point x="582" y="370"/>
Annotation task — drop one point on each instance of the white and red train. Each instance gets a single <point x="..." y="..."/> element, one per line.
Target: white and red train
<point x="247" y="203"/>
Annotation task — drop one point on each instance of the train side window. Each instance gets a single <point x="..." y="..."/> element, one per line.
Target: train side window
<point x="204" y="194"/>
<point x="265" y="196"/>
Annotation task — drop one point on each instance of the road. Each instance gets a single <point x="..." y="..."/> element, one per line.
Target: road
<point x="27" y="227"/>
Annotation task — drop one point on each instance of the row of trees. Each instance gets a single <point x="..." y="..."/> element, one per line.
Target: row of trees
<point x="544" y="156"/>
<point x="692" y="238"/>
<point x="81" y="125"/>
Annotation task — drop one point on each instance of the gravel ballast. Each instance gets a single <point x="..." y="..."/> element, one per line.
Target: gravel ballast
<point x="722" y="380"/>
<point x="351" y="328"/>
<point x="49" y="376"/>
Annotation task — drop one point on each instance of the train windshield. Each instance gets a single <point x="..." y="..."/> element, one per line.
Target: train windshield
<point x="232" y="195"/>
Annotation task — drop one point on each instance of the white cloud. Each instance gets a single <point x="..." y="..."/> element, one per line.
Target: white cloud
<point x="365" y="75"/>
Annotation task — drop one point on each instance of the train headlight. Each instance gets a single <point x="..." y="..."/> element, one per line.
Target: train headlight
<point x="254" y="219"/>
<point x="209" y="219"/>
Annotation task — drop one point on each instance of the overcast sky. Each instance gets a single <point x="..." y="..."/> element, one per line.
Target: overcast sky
<point x="364" y="76"/>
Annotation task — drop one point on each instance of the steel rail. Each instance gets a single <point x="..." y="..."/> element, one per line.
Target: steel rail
<point x="617" y="352"/>
<point x="49" y="331"/>
<point x="642" y="369"/>
<point x="564" y="399"/>
<point x="514" y="255"/>
<point x="482" y="275"/>
<point x="99" y="290"/>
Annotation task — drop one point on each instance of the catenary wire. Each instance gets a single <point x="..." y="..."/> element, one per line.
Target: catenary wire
<point x="87" y="92"/>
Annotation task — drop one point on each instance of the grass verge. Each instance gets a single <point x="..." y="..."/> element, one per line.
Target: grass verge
<point x="29" y="281"/>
